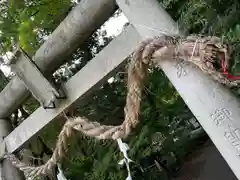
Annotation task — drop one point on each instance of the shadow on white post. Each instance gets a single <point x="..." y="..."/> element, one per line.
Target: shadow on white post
<point x="7" y="170"/>
<point x="215" y="107"/>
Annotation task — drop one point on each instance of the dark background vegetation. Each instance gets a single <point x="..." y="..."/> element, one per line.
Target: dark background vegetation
<point x="163" y="134"/>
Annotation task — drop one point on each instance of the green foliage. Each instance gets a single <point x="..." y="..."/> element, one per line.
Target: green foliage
<point x="164" y="129"/>
<point x="163" y="134"/>
<point x="27" y="22"/>
<point x="163" y="115"/>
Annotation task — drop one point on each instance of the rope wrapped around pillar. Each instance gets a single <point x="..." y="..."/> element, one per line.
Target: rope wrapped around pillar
<point x="204" y="52"/>
<point x="7" y="170"/>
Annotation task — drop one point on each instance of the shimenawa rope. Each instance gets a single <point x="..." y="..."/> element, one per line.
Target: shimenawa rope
<point x="201" y="51"/>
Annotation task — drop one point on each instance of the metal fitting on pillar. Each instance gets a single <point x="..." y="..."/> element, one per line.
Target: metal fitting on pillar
<point x="29" y="73"/>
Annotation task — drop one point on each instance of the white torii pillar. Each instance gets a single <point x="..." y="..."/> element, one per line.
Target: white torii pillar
<point x="7" y="170"/>
<point x="215" y="107"/>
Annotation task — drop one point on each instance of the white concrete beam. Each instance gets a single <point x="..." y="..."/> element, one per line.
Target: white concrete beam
<point x="91" y="76"/>
<point x="80" y="23"/>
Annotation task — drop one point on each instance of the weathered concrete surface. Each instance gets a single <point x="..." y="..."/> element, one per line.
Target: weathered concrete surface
<point x="91" y="76"/>
<point x="80" y="23"/>
<point x="7" y="170"/>
<point x="214" y="106"/>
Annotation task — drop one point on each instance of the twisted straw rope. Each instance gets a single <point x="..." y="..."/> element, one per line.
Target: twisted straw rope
<point x="195" y="49"/>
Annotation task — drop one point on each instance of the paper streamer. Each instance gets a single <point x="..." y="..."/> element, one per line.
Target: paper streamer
<point x="60" y="175"/>
<point x="124" y="148"/>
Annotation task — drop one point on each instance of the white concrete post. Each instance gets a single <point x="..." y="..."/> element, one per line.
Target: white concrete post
<point x="80" y="23"/>
<point x="215" y="107"/>
<point x="7" y="170"/>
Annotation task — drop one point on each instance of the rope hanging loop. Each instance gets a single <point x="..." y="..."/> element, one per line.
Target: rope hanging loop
<point x="205" y="52"/>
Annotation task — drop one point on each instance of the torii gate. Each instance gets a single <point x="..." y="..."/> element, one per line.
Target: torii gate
<point x="215" y="107"/>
